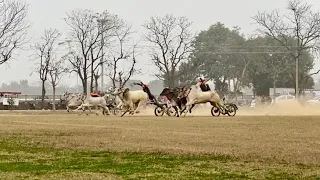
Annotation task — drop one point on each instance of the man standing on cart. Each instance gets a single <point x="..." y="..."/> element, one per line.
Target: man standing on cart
<point x="203" y="84"/>
<point x="146" y="89"/>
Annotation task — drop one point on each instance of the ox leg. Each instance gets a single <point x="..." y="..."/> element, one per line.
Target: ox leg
<point x="89" y="109"/>
<point x="137" y="107"/>
<point x="119" y="106"/>
<point x="126" y="109"/>
<point x="97" y="108"/>
<point x="180" y="108"/>
<point x="177" y="110"/>
<point x="124" y="113"/>
<point x="132" y="108"/>
<point x="79" y="107"/>
<point x="102" y="109"/>
<point x="105" y="109"/>
<point x="83" y="109"/>
<point x="191" y="107"/>
<point x="188" y="107"/>
<point x="185" y="109"/>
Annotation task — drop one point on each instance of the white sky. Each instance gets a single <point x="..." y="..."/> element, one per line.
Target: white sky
<point x="203" y="13"/>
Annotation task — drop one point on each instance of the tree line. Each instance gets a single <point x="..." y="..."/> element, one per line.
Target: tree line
<point x="27" y="88"/>
<point x="281" y="54"/>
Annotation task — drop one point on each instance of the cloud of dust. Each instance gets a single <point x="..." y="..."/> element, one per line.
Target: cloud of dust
<point x="284" y="108"/>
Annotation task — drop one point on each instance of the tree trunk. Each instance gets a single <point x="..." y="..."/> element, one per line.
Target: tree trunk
<point x="274" y="88"/>
<point x="91" y="84"/>
<point x="96" y="84"/>
<point x="54" y="98"/>
<point x="235" y="84"/>
<point x="43" y="93"/>
<point x="84" y="81"/>
<point x="169" y="79"/>
<point x="84" y="86"/>
<point x="120" y="80"/>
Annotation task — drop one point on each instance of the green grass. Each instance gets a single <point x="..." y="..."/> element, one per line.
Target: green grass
<point x="27" y="158"/>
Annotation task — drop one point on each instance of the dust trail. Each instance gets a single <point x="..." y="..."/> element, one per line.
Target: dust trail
<point x="288" y="108"/>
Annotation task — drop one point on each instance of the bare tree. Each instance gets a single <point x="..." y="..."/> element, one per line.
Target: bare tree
<point x="56" y="71"/>
<point x="172" y="38"/>
<point x="275" y="65"/>
<point x="13" y="27"/>
<point x="122" y="57"/>
<point x="96" y="78"/>
<point x="300" y="24"/>
<point x="85" y="41"/>
<point x="44" y="52"/>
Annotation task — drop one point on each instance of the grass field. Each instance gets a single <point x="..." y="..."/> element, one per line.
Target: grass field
<point x="64" y="146"/>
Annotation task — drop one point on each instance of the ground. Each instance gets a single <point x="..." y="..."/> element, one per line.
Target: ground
<point x="68" y="146"/>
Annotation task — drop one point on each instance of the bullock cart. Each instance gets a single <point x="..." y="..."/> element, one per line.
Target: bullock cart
<point x="162" y="108"/>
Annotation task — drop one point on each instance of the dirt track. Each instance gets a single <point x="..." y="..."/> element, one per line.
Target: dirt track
<point x="290" y="108"/>
<point x="295" y="139"/>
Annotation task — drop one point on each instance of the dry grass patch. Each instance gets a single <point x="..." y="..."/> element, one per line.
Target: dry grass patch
<point x="291" y="139"/>
<point x="238" y="147"/>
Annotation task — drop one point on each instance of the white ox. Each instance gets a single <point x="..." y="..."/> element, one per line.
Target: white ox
<point x="89" y="101"/>
<point x="117" y="100"/>
<point x="72" y="100"/>
<point x="132" y="100"/>
<point x="194" y="95"/>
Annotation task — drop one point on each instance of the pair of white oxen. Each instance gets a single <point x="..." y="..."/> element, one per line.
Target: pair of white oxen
<point x="195" y="95"/>
<point x="131" y="101"/>
<point x="82" y="101"/>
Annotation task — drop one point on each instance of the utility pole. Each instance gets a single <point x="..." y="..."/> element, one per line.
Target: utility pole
<point x="297" y="72"/>
<point x="102" y="56"/>
<point x="296" y="57"/>
<point x="101" y="22"/>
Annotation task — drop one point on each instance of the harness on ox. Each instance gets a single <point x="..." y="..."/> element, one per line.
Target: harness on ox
<point x="95" y="95"/>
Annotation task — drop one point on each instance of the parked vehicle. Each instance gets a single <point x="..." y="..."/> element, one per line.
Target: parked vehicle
<point x="314" y="101"/>
<point x="283" y="98"/>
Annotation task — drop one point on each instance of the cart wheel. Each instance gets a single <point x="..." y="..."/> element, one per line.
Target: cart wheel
<point x="171" y="111"/>
<point x="215" y="111"/>
<point x="231" y="110"/>
<point x="158" y="111"/>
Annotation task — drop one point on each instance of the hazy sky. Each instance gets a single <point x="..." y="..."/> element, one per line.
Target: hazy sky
<point x="203" y="13"/>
